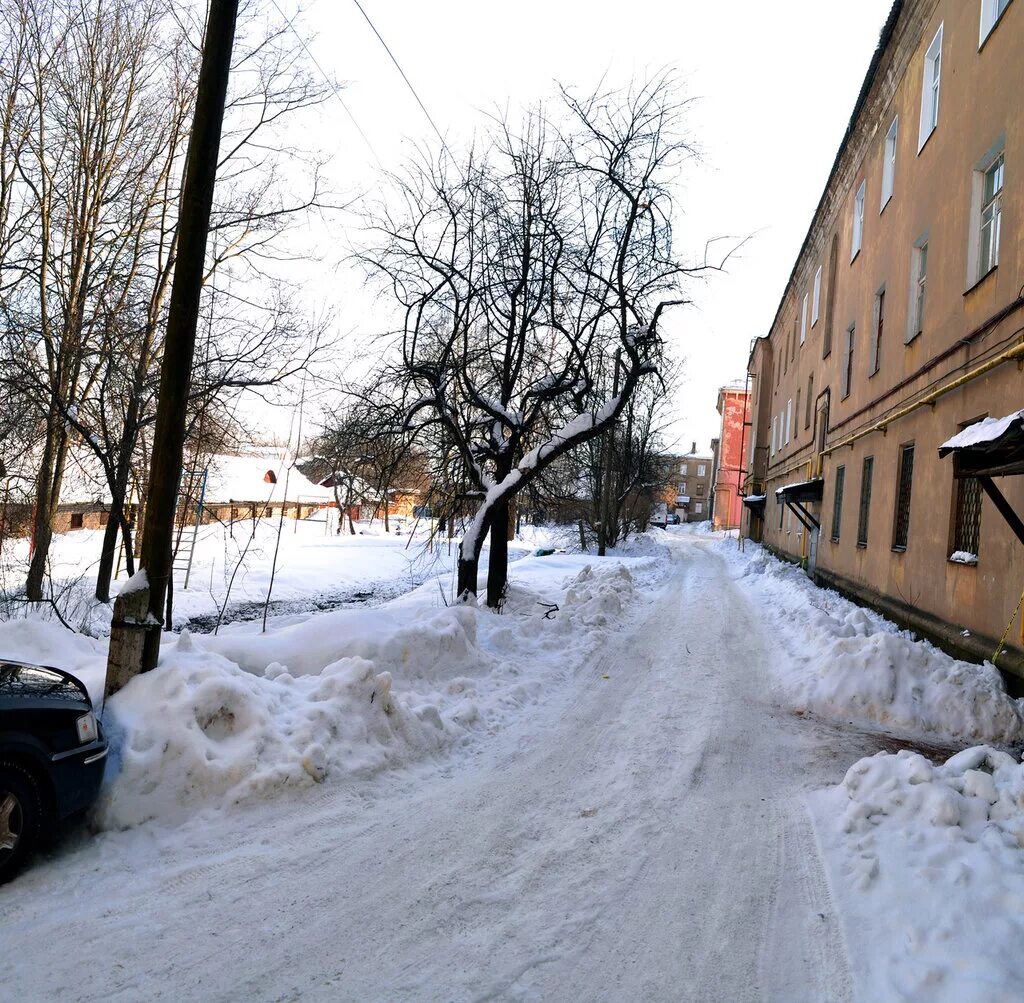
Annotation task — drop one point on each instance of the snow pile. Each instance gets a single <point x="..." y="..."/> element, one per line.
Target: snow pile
<point x="853" y="665"/>
<point x="230" y="719"/>
<point x="199" y="729"/>
<point x="927" y="864"/>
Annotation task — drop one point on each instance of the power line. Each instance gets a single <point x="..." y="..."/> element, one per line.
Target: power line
<point x="398" y="66"/>
<point x="334" y="90"/>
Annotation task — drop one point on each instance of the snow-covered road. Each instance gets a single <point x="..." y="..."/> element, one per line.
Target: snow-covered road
<point x="640" y="836"/>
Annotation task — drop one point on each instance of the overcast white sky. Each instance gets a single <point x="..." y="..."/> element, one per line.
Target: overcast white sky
<point x="775" y="84"/>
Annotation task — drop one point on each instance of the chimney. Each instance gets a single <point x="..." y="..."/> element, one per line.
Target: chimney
<point x="693" y="449"/>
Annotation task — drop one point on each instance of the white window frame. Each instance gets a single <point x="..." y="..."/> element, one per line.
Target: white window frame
<point x="702" y="469"/>
<point x="775" y="431"/>
<point x="889" y="163"/>
<point x="991" y="14"/>
<point x="984" y="254"/>
<point x="816" y="299"/>
<point x="682" y="468"/>
<point x="918" y="288"/>
<point x="803" y="320"/>
<point x="858" y="219"/>
<point x="682" y="488"/>
<point x="789" y="418"/>
<point x="931" y="88"/>
<point x="698" y="507"/>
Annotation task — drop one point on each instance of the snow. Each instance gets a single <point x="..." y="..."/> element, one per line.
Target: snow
<point x="850" y="664"/>
<point x="313" y="561"/>
<point x="927" y="865"/>
<point x="963" y="557"/>
<point x="594" y="801"/>
<point x="226" y="720"/>
<point x="986" y="430"/>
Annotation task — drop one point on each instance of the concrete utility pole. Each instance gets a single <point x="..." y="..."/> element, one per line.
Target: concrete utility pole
<point x="135" y="638"/>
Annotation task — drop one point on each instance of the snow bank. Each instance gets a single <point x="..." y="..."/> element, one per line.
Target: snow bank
<point x="927" y="865"/>
<point x="230" y="719"/>
<point x="851" y="664"/>
<point x="201" y="731"/>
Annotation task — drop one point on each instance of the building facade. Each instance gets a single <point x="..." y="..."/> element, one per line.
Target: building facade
<point x="733" y="406"/>
<point x="901" y="324"/>
<point x="687" y="491"/>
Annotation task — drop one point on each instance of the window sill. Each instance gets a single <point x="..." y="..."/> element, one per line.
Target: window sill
<point x="881" y="208"/>
<point x="899" y="550"/>
<point x="909" y="341"/>
<point x="856" y="255"/>
<point x="981" y="281"/>
<point x="861" y="546"/>
<point x="923" y="143"/>
<point x="962" y="564"/>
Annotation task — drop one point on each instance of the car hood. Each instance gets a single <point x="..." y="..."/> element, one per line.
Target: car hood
<point x="41" y="682"/>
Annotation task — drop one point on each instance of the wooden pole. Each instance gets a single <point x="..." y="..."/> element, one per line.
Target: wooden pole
<point x="183" y="317"/>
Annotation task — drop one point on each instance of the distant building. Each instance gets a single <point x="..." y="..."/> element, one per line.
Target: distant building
<point x="687" y="491"/>
<point x="733" y="406"/>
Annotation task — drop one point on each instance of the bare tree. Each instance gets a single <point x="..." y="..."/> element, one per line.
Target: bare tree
<point x="543" y="256"/>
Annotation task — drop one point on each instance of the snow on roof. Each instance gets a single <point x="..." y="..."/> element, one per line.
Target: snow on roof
<point x="259" y="476"/>
<point x="987" y="430"/>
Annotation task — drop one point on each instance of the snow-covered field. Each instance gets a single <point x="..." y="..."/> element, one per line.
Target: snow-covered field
<point x="231" y="568"/>
<point x="601" y="792"/>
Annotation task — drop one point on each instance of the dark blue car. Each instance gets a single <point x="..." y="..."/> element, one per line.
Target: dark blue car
<point x="52" y="755"/>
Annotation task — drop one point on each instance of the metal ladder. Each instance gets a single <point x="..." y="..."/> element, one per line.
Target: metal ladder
<point x="185" y="550"/>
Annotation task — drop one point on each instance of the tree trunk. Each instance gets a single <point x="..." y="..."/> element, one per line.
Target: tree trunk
<point x="105" y="568"/>
<point x="497" y="564"/>
<point x="51" y="473"/>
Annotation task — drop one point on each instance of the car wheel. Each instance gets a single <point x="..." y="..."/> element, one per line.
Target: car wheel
<point x="20" y="812"/>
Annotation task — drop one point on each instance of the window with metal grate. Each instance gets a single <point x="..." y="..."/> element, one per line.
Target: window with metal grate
<point x="967" y="524"/>
<point x="837" y="503"/>
<point x="901" y="525"/>
<point x="865" y="501"/>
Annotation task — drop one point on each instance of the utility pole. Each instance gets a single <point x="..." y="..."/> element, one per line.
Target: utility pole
<point x="137" y="622"/>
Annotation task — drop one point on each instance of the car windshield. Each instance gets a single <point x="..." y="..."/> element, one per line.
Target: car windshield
<point x="34" y="679"/>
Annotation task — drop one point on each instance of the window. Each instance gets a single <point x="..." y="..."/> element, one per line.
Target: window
<point x="876" y="334"/>
<point x="698" y="507"/>
<point x="830" y="303"/>
<point x="865" y="501"/>
<point x="991" y="216"/>
<point x="810" y="397"/>
<point x="796" y="415"/>
<point x="858" y="219"/>
<point x="682" y="469"/>
<point x="967" y="520"/>
<point x="918" y="288"/>
<point x="77" y="520"/>
<point x="889" y="163"/>
<point x="848" y="362"/>
<point x="701" y="469"/>
<point x="803" y="321"/>
<point x="789" y="418"/>
<point x="682" y="487"/>
<point x="901" y="524"/>
<point x="816" y="302"/>
<point x="775" y="431"/>
<point x="930" y="90"/>
<point x="837" y="503"/>
<point x="991" y="12"/>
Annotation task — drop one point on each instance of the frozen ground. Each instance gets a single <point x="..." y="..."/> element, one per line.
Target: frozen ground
<point x="605" y="803"/>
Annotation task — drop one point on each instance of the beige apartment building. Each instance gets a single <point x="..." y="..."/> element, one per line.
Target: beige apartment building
<point x="903" y="323"/>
